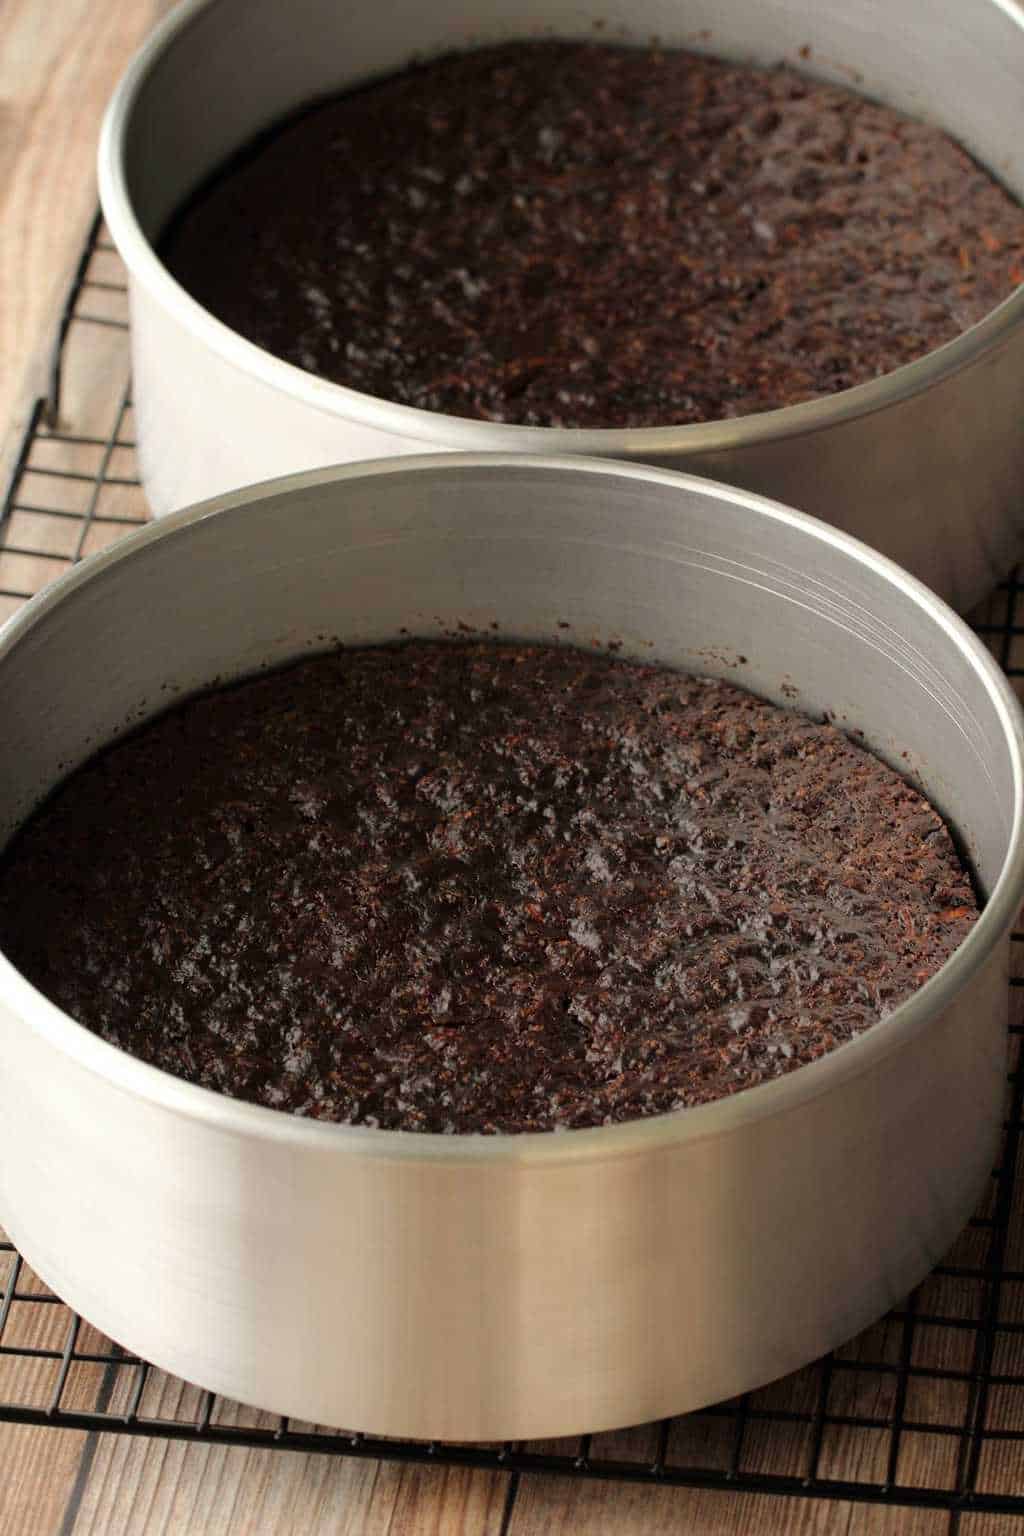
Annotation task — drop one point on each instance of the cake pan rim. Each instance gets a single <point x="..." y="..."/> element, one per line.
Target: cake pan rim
<point x="460" y="432"/>
<point x="644" y="1135"/>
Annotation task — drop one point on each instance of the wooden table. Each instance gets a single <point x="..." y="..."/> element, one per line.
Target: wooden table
<point x="57" y="65"/>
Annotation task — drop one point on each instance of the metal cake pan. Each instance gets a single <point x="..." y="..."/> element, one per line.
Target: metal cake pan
<point x="926" y="463"/>
<point x="491" y="1287"/>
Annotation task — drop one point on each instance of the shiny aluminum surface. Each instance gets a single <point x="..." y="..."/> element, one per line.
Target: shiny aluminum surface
<point x="926" y="463"/>
<point x="512" y="1286"/>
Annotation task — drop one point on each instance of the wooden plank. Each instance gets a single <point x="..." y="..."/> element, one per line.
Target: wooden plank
<point x="58" y="65"/>
<point x="143" y="1488"/>
<point x="139" y="1487"/>
<point x="38" y="1472"/>
<point x="58" y="488"/>
<point x="991" y="1525"/>
<point x="38" y="1465"/>
<point x="563" y="1507"/>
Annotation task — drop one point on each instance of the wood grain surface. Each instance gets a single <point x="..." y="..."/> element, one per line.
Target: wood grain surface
<point x="57" y="64"/>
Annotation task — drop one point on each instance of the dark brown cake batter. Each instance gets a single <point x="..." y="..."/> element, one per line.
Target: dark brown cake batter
<point x="562" y="234"/>
<point x="472" y="887"/>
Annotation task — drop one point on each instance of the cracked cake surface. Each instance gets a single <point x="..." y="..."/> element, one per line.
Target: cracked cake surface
<point x="583" y="235"/>
<point x="481" y="887"/>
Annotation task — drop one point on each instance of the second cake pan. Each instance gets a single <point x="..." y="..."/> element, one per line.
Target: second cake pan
<point x="926" y="463"/>
<point x="493" y="1287"/>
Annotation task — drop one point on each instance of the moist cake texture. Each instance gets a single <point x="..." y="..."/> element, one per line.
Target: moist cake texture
<point x="582" y="235"/>
<point x="476" y="887"/>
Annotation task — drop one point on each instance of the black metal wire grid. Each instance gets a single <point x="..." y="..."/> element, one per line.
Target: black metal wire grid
<point x="925" y="1410"/>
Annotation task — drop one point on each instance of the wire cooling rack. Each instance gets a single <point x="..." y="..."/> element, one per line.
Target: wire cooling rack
<point x="923" y="1411"/>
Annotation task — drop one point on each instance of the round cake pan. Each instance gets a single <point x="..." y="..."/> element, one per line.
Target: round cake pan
<point x="489" y="1287"/>
<point x="926" y="463"/>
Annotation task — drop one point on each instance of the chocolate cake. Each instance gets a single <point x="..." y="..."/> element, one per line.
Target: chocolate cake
<point x="581" y="235"/>
<point x="481" y="887"/>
